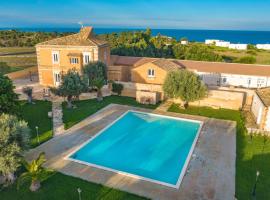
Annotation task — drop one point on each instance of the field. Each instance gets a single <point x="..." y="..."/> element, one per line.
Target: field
<point x="18" y="58"/>
<point x="262" y="56"/>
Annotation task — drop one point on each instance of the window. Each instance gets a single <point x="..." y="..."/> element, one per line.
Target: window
<point x="55" y="57"/>
<point x="224" y="80"/>
<point x="86" y="58"/>
<point x="151" y="73"/>
<point x="57" y="78"/>
<point x="74" y="60"/>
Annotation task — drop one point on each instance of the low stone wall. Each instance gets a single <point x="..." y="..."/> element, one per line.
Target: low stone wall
<point x="22" y="73"/>
<point x="217" y="98"/>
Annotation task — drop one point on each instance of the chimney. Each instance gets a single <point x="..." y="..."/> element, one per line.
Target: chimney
<point x="86" y="32"/>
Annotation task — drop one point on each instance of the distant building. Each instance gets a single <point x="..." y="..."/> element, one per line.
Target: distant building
<point x="238" y="46"/>
<point x="223" y="44"/>
<point x="184" y="42"/>
<point x="263" y="46"/>
<point x="261" y="108"/>
<point x="211" y="41"/>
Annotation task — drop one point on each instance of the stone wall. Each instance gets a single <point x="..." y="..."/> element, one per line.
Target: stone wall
<point x="217" y="98"/>
<point x="22" y="73"/>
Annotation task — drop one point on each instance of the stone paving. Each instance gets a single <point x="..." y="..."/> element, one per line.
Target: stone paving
<point x="57" y="113"/>
<point x="210" y="174"/>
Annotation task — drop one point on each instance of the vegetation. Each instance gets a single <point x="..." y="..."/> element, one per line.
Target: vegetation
<point x="14" y="38"/>
<point x="72" y="85"/>
<point x="4" y="68"/>
<point x="117" y="88"/>
<point x="142" y="43"/>
<point x="98" y="83"/>
<point x="60" y="186"/>
<point x="8" y="98"/>
<point x="185" y="85"/>
<point x="95" y="70"/>
<point x="36" y="115"/>
<point x="253" y="152"/>
<point x="246" y="60"/>
<point x="34" y="172"/>
<point x="29" y="92"/>
<point x="14" y="138"/>
<point x="86" y="108"/>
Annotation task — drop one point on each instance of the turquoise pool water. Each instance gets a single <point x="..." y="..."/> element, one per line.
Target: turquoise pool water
<point x="151" y="147"/>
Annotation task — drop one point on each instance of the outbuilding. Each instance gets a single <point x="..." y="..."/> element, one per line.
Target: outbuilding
<point x="261" y="108"/>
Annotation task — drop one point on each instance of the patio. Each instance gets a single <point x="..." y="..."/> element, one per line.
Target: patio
<point x="210" y="174"/>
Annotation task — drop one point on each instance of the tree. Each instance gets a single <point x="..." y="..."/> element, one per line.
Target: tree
<point x="72" y="85"/>
<point x="34" y="173"/>
<point x="95" y="70"/>
<point x="28" y="91"/>
<point x="98" y="83"/>
<point x="8" y="98"/>
<point x="117" y="88"/>
<point x="185" y="85"/>
<point x="14" y="138"/>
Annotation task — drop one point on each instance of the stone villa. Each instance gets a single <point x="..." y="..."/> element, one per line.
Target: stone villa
<point x="143" y="77"/>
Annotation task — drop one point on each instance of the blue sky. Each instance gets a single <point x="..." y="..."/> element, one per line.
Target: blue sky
<point x="178" y="14"/>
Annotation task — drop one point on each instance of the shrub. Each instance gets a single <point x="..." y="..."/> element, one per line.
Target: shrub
<point x="117" y="88"/>
<point x="247" y="60"/>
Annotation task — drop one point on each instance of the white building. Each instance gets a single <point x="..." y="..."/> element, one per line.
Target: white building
<point x="184" y="42"/>
<point x="261" y="108"/>
<point x="223" y="44"/>
<point x="263" y="46"/>
<point x="211" y="41"/>
<point x="230" y="74"/>
<point x="238" y="46"/>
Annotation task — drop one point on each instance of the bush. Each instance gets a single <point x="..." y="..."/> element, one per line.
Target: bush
<point x="247" y="60"/>
<point x="117" y="88"/>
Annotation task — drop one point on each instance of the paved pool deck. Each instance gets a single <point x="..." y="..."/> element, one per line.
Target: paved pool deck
<point x="210" y="173"/>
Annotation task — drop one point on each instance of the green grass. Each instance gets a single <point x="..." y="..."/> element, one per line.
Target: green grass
<point x="253" y="153"/>
<point x="86" y="108"/>
<point x="62" y="187"/>
<point x="37" y="115"/>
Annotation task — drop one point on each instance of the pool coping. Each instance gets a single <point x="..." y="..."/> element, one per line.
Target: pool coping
<point x="183" y="170"/>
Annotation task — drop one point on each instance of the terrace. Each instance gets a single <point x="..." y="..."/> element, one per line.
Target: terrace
<point x="210" y="156"/>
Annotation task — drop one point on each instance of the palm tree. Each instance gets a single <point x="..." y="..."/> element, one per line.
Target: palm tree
<point x="98" y="83"/>
<point x="35" y="173"/>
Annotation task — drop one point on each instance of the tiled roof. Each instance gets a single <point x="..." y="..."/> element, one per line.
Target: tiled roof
<point x="264" y="95"/>
<point x="84" y="38"/>
<point x="167" y="65"/>
<point x="201" y="66"/>
<point x="138" y="61"/>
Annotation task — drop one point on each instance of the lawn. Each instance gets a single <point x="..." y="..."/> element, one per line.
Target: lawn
<point x="86" y="108"/>
<point x="62" y="187"/>
<point x="253" y="153"/>
<point x="37" y="115"/>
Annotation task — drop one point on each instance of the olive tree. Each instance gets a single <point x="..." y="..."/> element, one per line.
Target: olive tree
<point x="185" y="85"/>
<point x="96" y="73"/>
<point x="14" y="138"/>
<point x="72" y="85"/>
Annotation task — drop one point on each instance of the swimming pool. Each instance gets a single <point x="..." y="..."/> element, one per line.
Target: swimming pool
<point x="147" y="146"/>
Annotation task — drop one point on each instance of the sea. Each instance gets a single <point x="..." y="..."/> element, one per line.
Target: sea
<point x="246" y="37"/>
